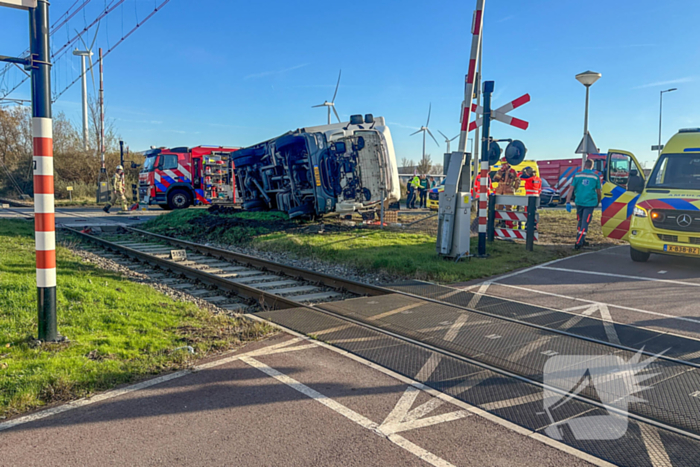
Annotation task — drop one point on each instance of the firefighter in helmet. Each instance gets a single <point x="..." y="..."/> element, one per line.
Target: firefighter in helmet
<point x="118" y="187"/>
<point x="507" y="179"/>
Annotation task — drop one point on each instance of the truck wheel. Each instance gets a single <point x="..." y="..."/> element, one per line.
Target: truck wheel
<point x="164" y="207"/>
<point x="639" y="256"/>
<point x="253" y="205"/>
<point x="179" y="199"/>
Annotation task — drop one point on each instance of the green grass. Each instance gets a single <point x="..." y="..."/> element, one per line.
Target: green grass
<point x="223" y="228"/>
<point x="119" y="331"/>
<point x="409" y="255"/>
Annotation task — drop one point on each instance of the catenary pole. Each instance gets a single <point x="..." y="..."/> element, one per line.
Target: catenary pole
<point x="42" y="141"/>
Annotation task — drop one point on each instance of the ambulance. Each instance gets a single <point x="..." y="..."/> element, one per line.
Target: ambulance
<point x="661" y="213"/>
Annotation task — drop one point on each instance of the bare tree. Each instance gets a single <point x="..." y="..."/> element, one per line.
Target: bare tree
<point x="425" y="164"/>
<point x="436" y="169"/>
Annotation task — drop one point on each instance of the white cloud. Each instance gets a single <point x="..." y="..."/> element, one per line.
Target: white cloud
<point x="665" y="83"/>
<point x="277" y="72"/>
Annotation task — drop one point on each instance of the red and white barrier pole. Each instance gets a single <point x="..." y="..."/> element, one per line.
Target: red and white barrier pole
<point x="477" y="25"/>
<point x="42" y="136"/>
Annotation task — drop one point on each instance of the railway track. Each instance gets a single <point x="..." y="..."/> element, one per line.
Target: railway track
<point x="495" y="362"/>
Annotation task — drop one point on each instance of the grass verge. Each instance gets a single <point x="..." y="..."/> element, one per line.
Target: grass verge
<point x="370" y="250"/>
<point x="119" y="331"/>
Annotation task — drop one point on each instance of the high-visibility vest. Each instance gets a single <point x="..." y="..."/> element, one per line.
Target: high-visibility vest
<point x="533" y="186"/>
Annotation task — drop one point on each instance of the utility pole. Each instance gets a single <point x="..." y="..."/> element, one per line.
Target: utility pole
<point x="102" y="119"/>
<point x="42" y="135"/>
<point x="121" y="153"/>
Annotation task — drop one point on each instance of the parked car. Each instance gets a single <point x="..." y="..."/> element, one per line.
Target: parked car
<point x="550" y="196"/>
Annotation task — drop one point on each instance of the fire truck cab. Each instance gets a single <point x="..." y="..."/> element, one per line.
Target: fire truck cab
<point x="180" y="177"/>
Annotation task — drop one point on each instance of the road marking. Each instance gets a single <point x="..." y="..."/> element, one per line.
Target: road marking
<point x="402" y="418"/>
<point x="493" y="336"/>
<point x="453" y="292"/>
<point x="621" y="276"/>
<point x="361" y="420"/>
<point x="428" y="367"/>
<point x="456" y="326"/>
<point x="589" y="310"/>
<point x="477" y="295"/>
<point x="695" y="394"/>
<point x="397" y="310"/>
<point x="331" y="330"/>
<point x="552" y="294"/>
<point x="509" y="402"/>
<point x="663" y="272"/>
<point x="529" y="348"/>
<point x="655" y="447"/>
<point x="448" y="326"/>
<point x="608" y="324"/>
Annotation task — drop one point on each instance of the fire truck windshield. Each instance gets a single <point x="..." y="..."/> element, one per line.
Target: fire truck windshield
<point x="150" y="164"/>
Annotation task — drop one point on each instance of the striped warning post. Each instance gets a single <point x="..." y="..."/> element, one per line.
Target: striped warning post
<point x="477" y="26"/>
<point x="511" y="216"/>
<point x="44" y="217"/>
<point x="484" y="197"/>
<point x="513" y="234"/>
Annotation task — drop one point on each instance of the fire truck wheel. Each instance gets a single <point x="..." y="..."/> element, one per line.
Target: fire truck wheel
<point x="179" y="199"/>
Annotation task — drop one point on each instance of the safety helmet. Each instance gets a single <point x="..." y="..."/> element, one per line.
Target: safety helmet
<point x="527" y="169"/>
<point x="119" y="167"/>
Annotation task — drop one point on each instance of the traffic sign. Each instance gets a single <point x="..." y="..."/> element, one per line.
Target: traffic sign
<point x="501" y="114"/>
<point x="587" y="146"/>
<point x="657" y="147"/>
<point x="21" y="4"/>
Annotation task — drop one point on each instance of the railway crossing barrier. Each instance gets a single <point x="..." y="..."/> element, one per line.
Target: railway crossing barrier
<point x="512" y="218"/>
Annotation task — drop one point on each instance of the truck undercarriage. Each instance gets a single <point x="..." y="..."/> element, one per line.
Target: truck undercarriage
<point x="315" y="171"/>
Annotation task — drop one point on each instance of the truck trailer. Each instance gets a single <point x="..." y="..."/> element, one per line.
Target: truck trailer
<point x="312" y="171"/>
<point x="181" y="177"/>
<point x="559" y="173"/>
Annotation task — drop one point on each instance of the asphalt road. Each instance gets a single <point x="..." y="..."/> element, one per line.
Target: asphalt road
<point x="76" y="216"/>
<point x="662" y="294"/>
<point x="305" y="405"/>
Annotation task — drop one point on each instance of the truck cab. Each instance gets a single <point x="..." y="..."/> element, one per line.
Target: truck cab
<point x="661" y="213"/>
<point x="313" y="171"/>
<point x="181" y="177"/>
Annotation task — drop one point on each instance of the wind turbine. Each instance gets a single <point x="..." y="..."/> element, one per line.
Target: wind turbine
<point x="448" y="140"/>
<point x="331" y="104"/>
<point x="82" y="54"/>
<point x="425" y="130"/>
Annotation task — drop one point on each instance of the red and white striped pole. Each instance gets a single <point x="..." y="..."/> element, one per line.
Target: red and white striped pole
<point x="42" y="135"/>
<point x="477" y="26"/>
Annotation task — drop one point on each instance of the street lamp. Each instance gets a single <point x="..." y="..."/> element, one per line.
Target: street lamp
<point x="587" y="78"/>
<point x="661" y="105"/>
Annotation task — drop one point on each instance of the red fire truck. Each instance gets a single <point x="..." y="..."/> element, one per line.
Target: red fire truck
<point x="181" y="177"/>
<point x="560" y="172"/>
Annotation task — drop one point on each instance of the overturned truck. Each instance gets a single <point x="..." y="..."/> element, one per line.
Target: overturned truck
<point x="338" y="168"/>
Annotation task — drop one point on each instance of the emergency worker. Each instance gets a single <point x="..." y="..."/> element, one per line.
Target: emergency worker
<point x="507" y="179"/>
<point x="423" y="191"/>
<point x="533" y="183"/>
<point x="413" y="187"/>
<point x="587" y="192"/>
<point x="118" y="186"/>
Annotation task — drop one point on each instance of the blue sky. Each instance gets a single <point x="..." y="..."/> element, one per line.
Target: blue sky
<point x="237" y="73"/>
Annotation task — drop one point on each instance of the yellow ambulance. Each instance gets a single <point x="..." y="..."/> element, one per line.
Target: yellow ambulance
<point x="661" y="213"/>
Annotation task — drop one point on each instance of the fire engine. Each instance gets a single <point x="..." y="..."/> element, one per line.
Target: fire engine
<point x="181" y="177"/>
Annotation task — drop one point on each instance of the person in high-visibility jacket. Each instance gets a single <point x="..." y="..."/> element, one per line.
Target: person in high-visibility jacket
<point x="533" y="183"/>
<point x="118" y="186"/>
<point x="413" y="187"/>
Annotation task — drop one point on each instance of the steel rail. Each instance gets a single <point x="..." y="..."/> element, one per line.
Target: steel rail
<point x="270" y="301"/>
<point x="265" y="299"/>
<point x="373" y="290"/>
<point x="259" y="263"/>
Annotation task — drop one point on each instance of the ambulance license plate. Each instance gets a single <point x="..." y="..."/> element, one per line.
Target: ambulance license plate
<point x="684" y="250"/>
